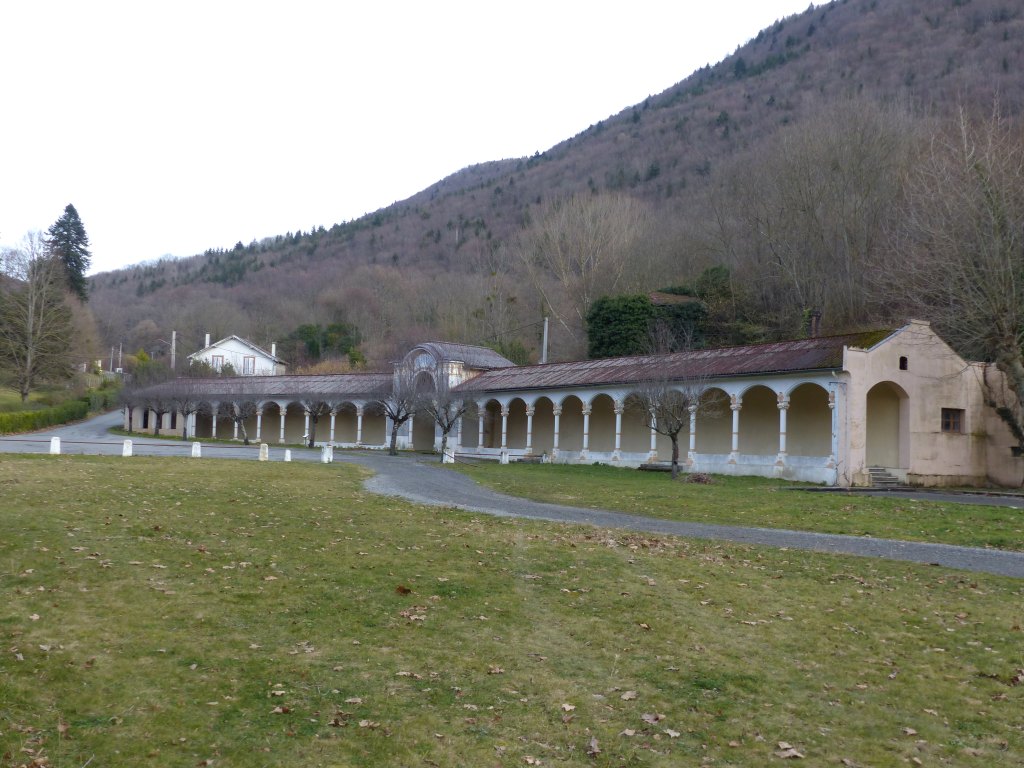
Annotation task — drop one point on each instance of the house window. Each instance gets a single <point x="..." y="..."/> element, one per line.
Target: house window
<point x="248" y="366"/>
<point x="953" y="420"/>
<point x="903" y="363"/>
<point x="217" y="362"/>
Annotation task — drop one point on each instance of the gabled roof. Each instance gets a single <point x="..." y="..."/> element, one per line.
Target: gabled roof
<point x="246" y="342"/>
<point x="820" y="353"/>
<point x="479" y="358"/>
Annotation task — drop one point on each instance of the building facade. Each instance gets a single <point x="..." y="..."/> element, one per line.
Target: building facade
<point x="824" y="410"/>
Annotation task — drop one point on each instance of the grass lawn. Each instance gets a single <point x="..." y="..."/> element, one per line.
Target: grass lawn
<point x="10" y="401"/>
<point x="182" y="613"/>
<point x="756" y="502"/>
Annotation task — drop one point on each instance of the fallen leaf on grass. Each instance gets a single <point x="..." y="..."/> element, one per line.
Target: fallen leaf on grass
<point x="652" y="718"/>
<point x="354" y="700"/>
<point x="787" y="751"/>
<point x="672" y="734"/>
<point x="568" y="707"/>
<point x="593" y="750"/>
<point x="402" y="589"/>
<point x="628" y="696"/>
<point x="280" y="710"/>
<point x="627" y="732"/>
<point x="494" y="669"/>
<point x="369" y="724"/>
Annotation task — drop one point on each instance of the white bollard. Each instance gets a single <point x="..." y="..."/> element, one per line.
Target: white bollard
<point x="126" y="449"/>
<point x="55" y="446"/>
<point x="197" y="451"/>
<point x="448" y="457"/>
<point x="326" y="454"/>
<point x="504" y="458"/>
<point x="264" y="452"/>
<point x="287" y="454"/>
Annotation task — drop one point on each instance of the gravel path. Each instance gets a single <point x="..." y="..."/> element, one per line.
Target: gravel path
<point x="425" y="482"/>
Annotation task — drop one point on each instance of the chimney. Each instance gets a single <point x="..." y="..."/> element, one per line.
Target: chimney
<point x="815" y="329"/>
<point x="207" y="341"/>
<point x="273" y="349"/>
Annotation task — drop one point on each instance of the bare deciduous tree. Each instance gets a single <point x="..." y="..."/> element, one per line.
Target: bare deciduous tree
<point x="579" y="249"/>
<point x="35" y="321"/>
<point x="239" y="411"/>
<point x="314" y="408"/>
<point x="400" y="404"/>
<point x="959" y="260"/>
<point x="444" y="405"/>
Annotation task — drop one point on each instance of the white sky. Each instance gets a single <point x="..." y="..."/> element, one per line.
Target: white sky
<point x="177" y="127"/>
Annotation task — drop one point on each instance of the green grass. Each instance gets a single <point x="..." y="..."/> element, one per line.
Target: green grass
<point x="151" y="607"/>
<point x="754" y="501"/>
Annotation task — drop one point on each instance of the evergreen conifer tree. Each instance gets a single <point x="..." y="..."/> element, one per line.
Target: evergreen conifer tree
<point x="67" y="240"/>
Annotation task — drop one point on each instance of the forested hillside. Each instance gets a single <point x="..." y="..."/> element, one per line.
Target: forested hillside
<point x="767" y="185"/>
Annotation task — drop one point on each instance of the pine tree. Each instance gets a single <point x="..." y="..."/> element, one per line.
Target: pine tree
<point x="67" y="240"/>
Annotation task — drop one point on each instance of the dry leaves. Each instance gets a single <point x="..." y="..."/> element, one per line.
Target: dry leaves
<point x="787" y="751"/>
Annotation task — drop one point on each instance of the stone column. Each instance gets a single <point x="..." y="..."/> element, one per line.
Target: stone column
<point x="783" y="411"/>
<point x="259" y="424"/>
<point x="305" y="428"/>
<point x="653" y="455"/>
<point x="458" y="432"/>
<point x="504" y="427"/>
<point x="529" y="430"/>
<point x="284" y="412"/>
<point x="691" y="454"/>
<point x="617" y="454"/>
<point x="586" y="432"/>
<point x="736" y="405"/>
<point x="359" y="425"/>
<point x="234" y="422"/>
<point x="557" y="411"/>
<point x="214" y="407"/>
<point x="334" y="415"/>
<point x="481" y="412"/>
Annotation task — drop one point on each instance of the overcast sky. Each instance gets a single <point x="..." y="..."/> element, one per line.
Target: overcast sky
<point x="177" y="127"/>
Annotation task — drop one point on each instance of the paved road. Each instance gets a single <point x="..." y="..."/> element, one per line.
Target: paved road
<point x="422" y="481"/>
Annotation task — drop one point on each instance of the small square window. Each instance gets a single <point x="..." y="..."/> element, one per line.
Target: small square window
<point x="903" y="363"/>
<point x="953" y="420"/>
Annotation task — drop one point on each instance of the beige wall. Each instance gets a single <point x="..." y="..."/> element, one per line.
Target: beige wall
<point x="809" y="422"/>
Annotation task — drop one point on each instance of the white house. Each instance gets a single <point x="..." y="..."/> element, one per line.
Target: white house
<point x="244" y="357"/>
<point x="830" y="409"/>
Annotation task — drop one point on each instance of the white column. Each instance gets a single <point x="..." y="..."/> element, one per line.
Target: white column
<point x="529" y="430"/>
<point x="835" y="428"/>
<point x="653" y="455"/>
<point x="284" y="412"/>
<point x="259" y="424"/>
<point x="618" y="431"/>
<point x="458" y="432"/>
<point x="214" y="407"/>
<point x="481" y="413"/>
<point x="504" y="427"/>
<point x="586" y="432"/>
<point x="359" y="425"/>
<point x="783" y="411"/>
<point x="305" y="428"/>
<point x="334" y="414"/>
<point x="235" y="423"/>
<point x="557" y="411"/>
<point x="691" y="456"/>
<point x="736" y="406"/>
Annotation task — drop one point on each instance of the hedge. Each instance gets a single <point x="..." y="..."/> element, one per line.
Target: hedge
<point x="73" y="410"/>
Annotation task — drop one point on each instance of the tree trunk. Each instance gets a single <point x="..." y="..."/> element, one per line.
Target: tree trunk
<point x="393" y="447"/>
<point x="444" y="443"/>
<point x="245" y="434"/>
<point x="312" y="431"/>
<point x="675" y="456"/>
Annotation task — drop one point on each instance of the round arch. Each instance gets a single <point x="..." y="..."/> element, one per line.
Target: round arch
<point x="714" y="422"/>
<point x="570" y="424"/>
<point x="809" y="421"/>
<point x="759" y="422"/>
<point x="887" y="442"/>
<point x="602" y="424"/>
<point x="543" y="425"/>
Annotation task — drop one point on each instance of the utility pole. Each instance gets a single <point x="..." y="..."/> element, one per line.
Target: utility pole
<point x="544" y="344"/>
<point x="174" y="344"/>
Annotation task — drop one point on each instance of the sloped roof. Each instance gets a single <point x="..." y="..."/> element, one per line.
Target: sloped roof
<point x="337" y="386"/>
<point x="472" y="356"/>
<point x="246" y="342"/>
<point x="821" y="353"/>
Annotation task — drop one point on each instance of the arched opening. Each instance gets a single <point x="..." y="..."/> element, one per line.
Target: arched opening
<point x="516" y="434"/>
<point x="492" y="425"/>
<point x="570" y="425"/>
<point x="714" y="423"/>
<point x="636" y="432"/>
<point x="809" y="422"/>
<point x="375" y="425"/>
<point x="887" y="441"/>
<point x="470" y="426"/>
<point x="423" y="425"/>
<point x="345" y="424"/>
<point x="759" y="422"/>
<point x="543" y="426"/>
<point x="602" y="424"/>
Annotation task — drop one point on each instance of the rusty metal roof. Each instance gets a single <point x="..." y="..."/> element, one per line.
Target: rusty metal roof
<point x="328" y="387"/>
<point x="821" y="353"/>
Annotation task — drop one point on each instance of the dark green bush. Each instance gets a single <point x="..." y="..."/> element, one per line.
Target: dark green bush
<point x="72" y="410"/>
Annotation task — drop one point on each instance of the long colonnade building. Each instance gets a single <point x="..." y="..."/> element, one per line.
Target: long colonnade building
<point x="829" y="409"/>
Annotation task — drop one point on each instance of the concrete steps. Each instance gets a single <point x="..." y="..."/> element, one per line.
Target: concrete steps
<point x="880" y="478"/>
